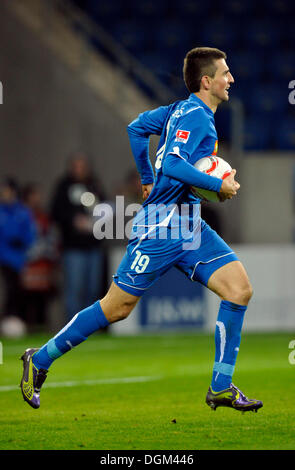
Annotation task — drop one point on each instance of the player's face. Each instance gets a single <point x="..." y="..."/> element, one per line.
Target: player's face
<point x="221" y="82"/>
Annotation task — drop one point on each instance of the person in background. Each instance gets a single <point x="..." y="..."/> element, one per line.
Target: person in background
<point x="17" y="233"/>
<point x="132" y="187"/>
<point x="38" y="276"/>
<point x="74" y="198"/>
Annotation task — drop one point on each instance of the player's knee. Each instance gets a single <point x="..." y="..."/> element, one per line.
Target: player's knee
<point x="241" y="294"/>
<point x="246" y="293"/>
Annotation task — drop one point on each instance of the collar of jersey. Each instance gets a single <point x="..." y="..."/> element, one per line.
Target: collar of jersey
<point x="193" y="97"/>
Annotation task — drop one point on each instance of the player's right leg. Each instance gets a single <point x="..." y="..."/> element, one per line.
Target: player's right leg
<point x="231" y="283"/>
<point x="217" y="267"/>
<point x="115" y="306"/>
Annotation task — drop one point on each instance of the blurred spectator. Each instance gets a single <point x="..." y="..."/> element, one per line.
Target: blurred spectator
<point x="132" y="188"/>
<point x="38" y="277"/>
<point x="17" y="233"/>
<point x="129" y="187"/>
<point x="74" y="198"/>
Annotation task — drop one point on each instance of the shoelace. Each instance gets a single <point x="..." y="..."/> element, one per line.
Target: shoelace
<point x="242" y="394"/>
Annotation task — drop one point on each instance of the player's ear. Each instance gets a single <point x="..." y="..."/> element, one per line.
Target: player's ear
<point x="206" y="82"/>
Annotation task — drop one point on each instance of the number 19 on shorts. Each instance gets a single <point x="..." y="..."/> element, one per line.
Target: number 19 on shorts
<point x="140" y="262"/>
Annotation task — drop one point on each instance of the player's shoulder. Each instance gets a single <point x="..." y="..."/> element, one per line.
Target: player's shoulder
<point x="190" y="114"/>
<point x="188" y="108"/>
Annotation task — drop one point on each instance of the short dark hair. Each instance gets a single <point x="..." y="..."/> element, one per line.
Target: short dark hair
<point x="198" y="62"/>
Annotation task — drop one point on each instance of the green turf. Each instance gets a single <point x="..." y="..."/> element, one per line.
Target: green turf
<point x="140" y="415"/>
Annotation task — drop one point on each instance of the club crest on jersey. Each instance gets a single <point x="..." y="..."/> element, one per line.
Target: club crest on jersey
<point x="182" y="136"/>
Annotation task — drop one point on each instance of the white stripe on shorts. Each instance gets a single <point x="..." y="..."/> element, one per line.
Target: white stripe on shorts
<point x="206" y="262"/>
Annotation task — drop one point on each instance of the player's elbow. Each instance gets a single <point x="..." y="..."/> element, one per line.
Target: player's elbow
<point x="130" y="128"/>
<point x="133" y="129"/>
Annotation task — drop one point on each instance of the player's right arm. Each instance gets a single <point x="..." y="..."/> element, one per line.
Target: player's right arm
<point x="183" y="171"/>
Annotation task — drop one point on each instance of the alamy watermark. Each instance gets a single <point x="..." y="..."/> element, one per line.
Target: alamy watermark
<point x="292" y="353"/>
<point x="291" y="96"/>
<point x="156" y="221"/>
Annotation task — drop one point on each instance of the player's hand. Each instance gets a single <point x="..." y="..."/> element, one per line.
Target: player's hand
<point x="146" y="190"/>
<point x="229" y="187"/>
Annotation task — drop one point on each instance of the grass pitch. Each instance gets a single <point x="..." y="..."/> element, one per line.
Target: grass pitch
<point x="148" y="393"/>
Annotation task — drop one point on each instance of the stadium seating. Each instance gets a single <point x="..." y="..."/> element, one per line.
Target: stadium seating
<point x="281" y="66"/>
<point x="285" y="134"/>
<point x="131" y="34"/>
<point x="262" y="34"/>
<point x="269" y="98"/>
<point x="246" y="66"/>
<point x="257" y="133"/>
<point x="257" y="36"/>
<point x="218" y="31"/>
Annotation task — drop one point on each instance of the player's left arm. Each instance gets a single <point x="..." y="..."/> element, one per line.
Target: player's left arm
<point x="139" y="131"/>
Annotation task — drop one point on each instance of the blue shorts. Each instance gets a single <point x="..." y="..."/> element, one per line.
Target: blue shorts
<point x="144" y="262"/>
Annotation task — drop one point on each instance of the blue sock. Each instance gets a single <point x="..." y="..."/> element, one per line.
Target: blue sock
<point x="227" y="342"/>
<point x="77" y="330"/>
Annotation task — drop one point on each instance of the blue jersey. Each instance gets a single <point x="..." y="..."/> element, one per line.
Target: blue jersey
<point x="187" y="131"/>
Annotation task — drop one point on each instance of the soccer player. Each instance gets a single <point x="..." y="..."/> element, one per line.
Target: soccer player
<point x="187" y="133"/>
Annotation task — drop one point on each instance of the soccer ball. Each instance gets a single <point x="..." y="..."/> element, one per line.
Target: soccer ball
<point x="12" y="327"/>
<point x="213" y="166"/>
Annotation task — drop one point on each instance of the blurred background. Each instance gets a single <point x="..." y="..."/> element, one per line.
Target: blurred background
<point x="74" y="74"/>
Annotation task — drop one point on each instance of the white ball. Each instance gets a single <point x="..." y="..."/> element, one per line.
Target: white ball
<point x="13" y="327"/>
<point x="213" y="166"/>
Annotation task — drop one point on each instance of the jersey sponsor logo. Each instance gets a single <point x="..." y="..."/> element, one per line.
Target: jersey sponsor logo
<point x="182" y="136"/>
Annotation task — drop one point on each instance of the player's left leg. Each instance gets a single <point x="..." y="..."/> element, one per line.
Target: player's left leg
<point x="130" y="282"/>
<point x="231" y="283"/>
<point x="115" y="306"/>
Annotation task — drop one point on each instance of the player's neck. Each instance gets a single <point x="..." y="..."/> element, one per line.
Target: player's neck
<point x="210" y="101"/>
